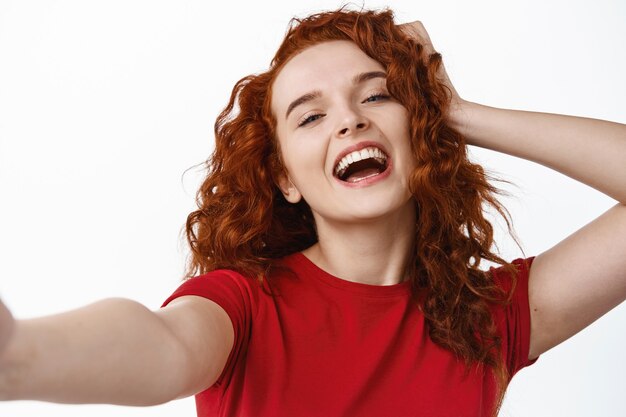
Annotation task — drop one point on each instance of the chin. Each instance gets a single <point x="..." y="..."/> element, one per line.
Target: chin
<point x="375" y="212"/>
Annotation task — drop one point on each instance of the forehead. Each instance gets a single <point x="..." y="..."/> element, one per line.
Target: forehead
<point x="322" y="66"/>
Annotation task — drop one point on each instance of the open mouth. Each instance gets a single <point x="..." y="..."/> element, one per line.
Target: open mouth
<point x="359" y="165"/>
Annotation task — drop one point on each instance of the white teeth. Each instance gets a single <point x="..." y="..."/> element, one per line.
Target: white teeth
<point x="371" y="152"/>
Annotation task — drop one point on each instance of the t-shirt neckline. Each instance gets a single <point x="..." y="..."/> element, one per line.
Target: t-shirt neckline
<point x="402" y="288"/>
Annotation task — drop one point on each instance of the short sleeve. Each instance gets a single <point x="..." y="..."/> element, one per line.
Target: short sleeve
<point x="513" y="320"/>
<point x="235" y="294"/>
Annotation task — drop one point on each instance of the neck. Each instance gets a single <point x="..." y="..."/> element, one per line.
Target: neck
<point x="375" y="252"/>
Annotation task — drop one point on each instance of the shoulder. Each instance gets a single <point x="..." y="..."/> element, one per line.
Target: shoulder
<point x="235" y="286"/>
<point x="237" y="294"/>
<point x="513" y="277"/>
<point x="513" y="281"/>
<point x="512" y="317"/>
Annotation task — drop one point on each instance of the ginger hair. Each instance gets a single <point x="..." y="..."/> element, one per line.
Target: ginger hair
<point x="244" y="223"/>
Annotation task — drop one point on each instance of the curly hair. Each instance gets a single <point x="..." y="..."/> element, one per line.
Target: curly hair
<point x="243" y="221"/>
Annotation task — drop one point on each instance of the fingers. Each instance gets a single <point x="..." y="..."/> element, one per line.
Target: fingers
<point x="6" y="325"/>
<point x="416" y="31"/>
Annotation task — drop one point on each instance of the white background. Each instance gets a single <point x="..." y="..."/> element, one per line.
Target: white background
<point x="104" y="105"/>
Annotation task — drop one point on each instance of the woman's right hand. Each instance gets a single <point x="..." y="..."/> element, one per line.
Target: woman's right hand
<point x="80" y="356"/>
<point x="7" y="323"/>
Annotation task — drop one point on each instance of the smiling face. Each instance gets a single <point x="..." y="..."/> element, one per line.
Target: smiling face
<point x="344" y="140"/>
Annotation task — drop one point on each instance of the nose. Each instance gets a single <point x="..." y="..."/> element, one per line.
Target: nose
<point x="351" y="122"/>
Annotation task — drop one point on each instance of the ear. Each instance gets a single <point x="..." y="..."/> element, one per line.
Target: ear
<point x="289" y="189"/>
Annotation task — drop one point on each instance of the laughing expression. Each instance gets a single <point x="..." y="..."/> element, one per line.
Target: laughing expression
<point x="343" y="139"/>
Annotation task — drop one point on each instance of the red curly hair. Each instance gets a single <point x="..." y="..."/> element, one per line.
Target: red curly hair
<point x="243" y="221"/>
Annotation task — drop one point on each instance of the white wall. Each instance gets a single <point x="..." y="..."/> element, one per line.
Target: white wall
<point x="104" y="105"/>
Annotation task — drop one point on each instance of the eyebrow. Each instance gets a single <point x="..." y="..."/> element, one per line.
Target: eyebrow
<point x="357" y="79"/>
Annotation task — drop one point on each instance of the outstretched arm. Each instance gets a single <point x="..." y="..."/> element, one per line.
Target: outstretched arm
<point x="584" y="276"/>
<point x="115" y="351"/>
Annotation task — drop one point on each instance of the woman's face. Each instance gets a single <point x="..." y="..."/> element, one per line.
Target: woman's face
<point x="344" y="141"/>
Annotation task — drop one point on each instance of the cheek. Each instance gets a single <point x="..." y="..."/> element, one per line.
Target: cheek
<point x="304" y="151"/>
<point x="285" y="149"/>
<point x="296" y="162"/>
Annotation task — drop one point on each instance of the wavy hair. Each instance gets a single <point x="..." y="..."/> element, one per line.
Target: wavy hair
<point x="243" y="221"/>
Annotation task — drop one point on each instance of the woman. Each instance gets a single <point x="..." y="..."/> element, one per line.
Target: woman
<point x="402" y="225"/>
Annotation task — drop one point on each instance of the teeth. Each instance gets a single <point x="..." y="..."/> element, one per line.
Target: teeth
<point x="371" y="152"/>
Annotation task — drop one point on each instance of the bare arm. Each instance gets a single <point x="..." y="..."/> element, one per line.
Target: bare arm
<point x="584" y="276"/>
<point x="117" y="351"/>
<point x="591" y="151"/>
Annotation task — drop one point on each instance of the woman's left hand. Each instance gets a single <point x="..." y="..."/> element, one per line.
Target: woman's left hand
<point x="416" y="31"/>
<point x="567" y="288"/>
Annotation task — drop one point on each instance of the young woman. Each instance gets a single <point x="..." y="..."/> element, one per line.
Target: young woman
<point x="339" y="242"/>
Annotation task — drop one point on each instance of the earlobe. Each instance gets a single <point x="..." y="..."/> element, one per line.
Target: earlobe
<point x="289" y="190"/>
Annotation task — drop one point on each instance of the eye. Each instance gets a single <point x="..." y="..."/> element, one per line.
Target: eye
<point x="309" y="119"/>
<point x="376" y="97"/>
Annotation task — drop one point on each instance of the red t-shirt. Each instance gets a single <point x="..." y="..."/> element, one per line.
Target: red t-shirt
<point x="324" y="346"/>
